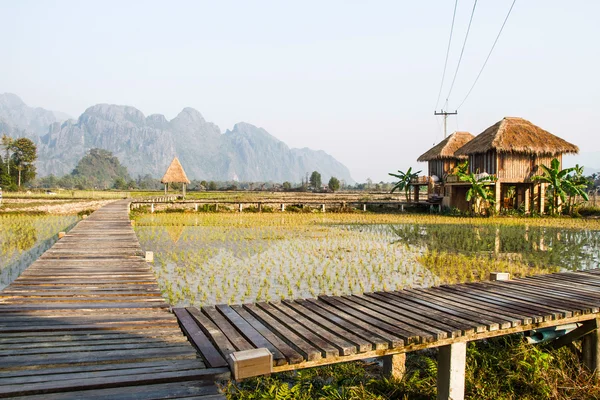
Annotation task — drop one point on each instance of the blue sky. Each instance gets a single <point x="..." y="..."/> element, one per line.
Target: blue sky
<point x="358" y="79"/>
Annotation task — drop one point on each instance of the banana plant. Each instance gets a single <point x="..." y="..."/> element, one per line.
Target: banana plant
<point x="404" y="181"/>
<point x="558" y="183"/>
<point x="479" y="191"/>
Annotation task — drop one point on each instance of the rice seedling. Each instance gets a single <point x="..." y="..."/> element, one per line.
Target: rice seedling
<point x="209" y="258"/>
<point x="23" y="238"/>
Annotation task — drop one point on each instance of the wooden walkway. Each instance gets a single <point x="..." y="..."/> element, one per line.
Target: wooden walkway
<point x="309" y="332"/>
<point x="87" y="321"/>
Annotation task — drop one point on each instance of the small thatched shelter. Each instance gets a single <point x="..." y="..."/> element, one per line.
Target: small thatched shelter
<point x="175" y="174"/>
<point x="441" y="157"/>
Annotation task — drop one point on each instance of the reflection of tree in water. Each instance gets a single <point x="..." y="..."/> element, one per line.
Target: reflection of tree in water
<point x="541" y="246"/>
<point x="19" y="237"/>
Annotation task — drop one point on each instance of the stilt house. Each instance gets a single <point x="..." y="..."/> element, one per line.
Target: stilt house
<point x="512" y="150"/>
<point x="442" y="160"/>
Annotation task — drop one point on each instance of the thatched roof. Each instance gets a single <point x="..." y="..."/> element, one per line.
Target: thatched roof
<point x="517" y="135"/>
<point x="447" y="147"/>
<point x="175" y="173"/>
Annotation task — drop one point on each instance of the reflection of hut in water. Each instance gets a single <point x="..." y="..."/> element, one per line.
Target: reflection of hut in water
<point x="175" y="174"/>
<point x="512" y="150"/>
<point x="175" y="232"/>
<point x="441" y="160"/>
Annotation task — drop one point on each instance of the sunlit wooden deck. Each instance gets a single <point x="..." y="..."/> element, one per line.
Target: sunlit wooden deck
<point x="309" y="332"/>
<point x="87" y="321"/>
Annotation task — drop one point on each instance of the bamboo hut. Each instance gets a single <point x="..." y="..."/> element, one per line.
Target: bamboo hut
<point x="175" y="174"/>
<point x="512" y="150"/>
<point x="441" y="158"/>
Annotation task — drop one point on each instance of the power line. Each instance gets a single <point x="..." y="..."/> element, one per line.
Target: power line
<point x="462" y="50"/>
<point x="447" y="53"/>
<point x="489" y="54"/>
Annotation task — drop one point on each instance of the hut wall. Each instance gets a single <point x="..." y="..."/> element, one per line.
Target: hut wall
<point x="441" y="168"/>
<point x="518" y="167"/>
<point x="484" y="162"/>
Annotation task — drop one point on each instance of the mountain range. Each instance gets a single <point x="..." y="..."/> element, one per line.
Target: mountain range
<point x="147" y="144"/>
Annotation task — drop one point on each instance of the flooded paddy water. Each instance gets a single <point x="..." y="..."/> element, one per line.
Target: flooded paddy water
<point x="204" y="258"/>
<point x="23" y="238"/>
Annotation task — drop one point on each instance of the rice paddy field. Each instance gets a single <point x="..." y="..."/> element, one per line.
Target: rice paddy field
<point x="23" y="238"/>
<point x="211" y="258"/>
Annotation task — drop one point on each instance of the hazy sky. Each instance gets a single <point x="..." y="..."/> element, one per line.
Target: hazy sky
<point x="358" y="79"/>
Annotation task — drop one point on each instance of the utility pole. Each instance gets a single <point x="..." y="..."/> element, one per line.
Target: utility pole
<point x="445" y="114"/>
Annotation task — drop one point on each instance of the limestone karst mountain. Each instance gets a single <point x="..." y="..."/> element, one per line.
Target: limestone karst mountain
<point x="147" y="144"/>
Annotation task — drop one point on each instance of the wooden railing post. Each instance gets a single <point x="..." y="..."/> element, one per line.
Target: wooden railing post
<point x="451" y="371"/>
<point x="394" y="366"/>
<point x="590" y="349"/>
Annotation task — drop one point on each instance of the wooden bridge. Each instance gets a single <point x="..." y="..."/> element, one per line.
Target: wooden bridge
<point x="87" y="321"/>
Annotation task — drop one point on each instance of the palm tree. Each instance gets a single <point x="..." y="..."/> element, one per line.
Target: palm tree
<point x="404" y="181"/>
<point x="559" y="182"/>
<point x="479" y="191"/>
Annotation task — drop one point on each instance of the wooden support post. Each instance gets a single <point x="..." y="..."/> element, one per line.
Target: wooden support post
<point x="259" y="207"/>
<point x="402" y="207"/>
<point x="152" y="208"/>
<point x="497" y="195"/>
<point x="241" y="207"/>
<point x="184" y="190"/>
<point x="451" y="371"/>
<point x="365" y="207"/>
<point x="322" y="207"/>
<point x="417" y="189"/>
<point x="149" y="256"/>
<point x="394" y="366"/>
<point x="282" y="207"/>
<point x="542" y="198"/>
<point x="497" y="243"/>
<point x="527" y="198"/>
<point x="590" y="348"/>
<point x="216" y="206"/>
<point x="196" y="207"/>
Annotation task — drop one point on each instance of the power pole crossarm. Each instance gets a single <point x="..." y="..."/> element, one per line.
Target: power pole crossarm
<point x="445" y="114"/>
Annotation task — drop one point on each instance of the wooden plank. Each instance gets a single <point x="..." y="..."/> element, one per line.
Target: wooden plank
<point x="199" y="339"/>
<point x="340" y="342"/>
<point x="212" y="331"/>
<point x="251" y="334"/>
<point x="112" y="382"/>
<point x="437" y="334"/>
<point x="228" y="330"/>
<point x="463" y="311"/>
<point x="387" y="340"/>
<point x="291" y="355"/>
<point x="306" y="349"/>
<point x="360" y="344"/>
<point x="519" y="307"/>
<point x="430" y="316"/>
